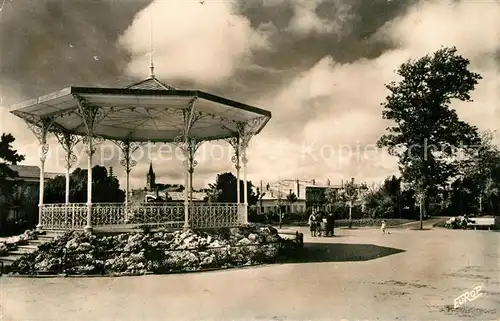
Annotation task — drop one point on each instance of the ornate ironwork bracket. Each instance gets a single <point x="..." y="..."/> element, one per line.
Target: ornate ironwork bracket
<point x="40" y="127"/>
<point x="189" y="152"/>
<point x="187" y="144"/>
<point x="235" y="143"/>
<point x="128" y="148"/>
<point x="91" y="115"/>
<point x="68" y="143"/>
<point x="90" y="144"/>
<point x="243" y="133"/>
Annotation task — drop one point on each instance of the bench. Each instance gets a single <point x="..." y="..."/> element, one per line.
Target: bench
<point x="297" y="237"/>
<point x="481" y="222"/>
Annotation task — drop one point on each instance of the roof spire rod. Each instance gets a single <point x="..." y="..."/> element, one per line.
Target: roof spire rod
<point x="151" y="50"/>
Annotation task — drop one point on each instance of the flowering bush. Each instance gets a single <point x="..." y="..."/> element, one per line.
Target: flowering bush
<point x="156" y="252"/>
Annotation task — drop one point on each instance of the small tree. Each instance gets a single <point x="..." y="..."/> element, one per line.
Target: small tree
<point x="291" y="198"/>
<point x="350" y="196"/>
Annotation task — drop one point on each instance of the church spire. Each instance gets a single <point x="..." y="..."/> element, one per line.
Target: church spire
<point x="150" y="178"/>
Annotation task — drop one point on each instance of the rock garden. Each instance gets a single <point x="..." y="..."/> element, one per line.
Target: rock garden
<point x="11" y="243"/>
<point x="162" y="251"/>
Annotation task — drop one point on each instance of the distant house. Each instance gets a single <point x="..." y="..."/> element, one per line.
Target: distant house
<point x="310" y="196"/>
<point x="28" y="177"/>
<point x="29" y="174"/>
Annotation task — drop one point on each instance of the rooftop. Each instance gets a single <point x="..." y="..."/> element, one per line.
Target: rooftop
<point x="146" y="111"/>
<point x="29" y="172"/>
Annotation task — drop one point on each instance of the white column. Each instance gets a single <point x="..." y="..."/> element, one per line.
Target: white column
<point x="90" y="153"/>
<point x="186" y="184"/>
<point x="245" y="188"/>
<point x="43" y="156"/>
<point x="127" y="187"/>
<point x="238" y="192"/>
<point x="68" y="165"/>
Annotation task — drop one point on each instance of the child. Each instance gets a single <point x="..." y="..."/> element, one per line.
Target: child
<point x="383" y="227"/>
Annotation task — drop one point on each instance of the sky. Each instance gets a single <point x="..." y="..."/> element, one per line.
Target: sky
<point x="318" y="66"/>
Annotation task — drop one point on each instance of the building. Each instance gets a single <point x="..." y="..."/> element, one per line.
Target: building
<point x="310" y="196"/>
<point x="31" y="174"/>
<point x="29" y="179"/>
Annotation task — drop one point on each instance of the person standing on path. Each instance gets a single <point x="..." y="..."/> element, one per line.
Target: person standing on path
<point x="312" y="224"/>
<point x="382" y="228"/>
<point x="330" y="224"/>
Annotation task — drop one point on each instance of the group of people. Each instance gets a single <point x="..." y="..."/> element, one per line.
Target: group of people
<point x="321" y="224"/>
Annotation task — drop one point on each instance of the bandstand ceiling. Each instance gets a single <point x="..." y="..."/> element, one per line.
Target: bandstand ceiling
<point x="142" y="115"/>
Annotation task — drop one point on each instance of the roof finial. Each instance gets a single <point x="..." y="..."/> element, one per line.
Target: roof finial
<point x="151" y="50"/>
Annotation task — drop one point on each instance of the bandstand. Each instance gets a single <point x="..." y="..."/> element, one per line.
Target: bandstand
<point x="131" y="117"/>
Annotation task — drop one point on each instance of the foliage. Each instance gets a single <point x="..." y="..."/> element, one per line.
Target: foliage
<point x="332" y="196"/>
<point x="25" y="198"/>
<point x="224" y="190"/>
<point x="105" y="188"/>
<point x="315" y="196"/>
<point x="426" y="132"/>
<point x="8" y="177"/>
<point x="8" y="157"/>
<point x="478" y="189"/>
<point x="291" y="198"/>
<point x="158" y="252"/>
<point x="351" y="194"/>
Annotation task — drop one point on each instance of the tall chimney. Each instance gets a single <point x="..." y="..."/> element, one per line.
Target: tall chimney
<point x="298" y="189"/>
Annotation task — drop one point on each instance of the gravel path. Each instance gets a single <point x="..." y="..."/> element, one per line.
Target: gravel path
<point x="358" y="275"/>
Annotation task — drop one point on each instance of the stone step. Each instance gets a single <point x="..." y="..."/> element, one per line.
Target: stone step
<point x="27" y="248"/>
<point x="9" y="259"/>
<point x="17" y="253"/>
<point x="36" y="242"/>
<point x="46" y="237"/>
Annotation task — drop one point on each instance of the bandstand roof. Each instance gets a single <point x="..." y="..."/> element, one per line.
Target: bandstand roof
<point x="146" y="111"/>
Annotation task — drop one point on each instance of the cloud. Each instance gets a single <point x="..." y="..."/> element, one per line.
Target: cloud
<point x="307" y="19"/>
<point x="201" y="43"/>
<point x="330" y="115"/>
<point x="325" y="102"/>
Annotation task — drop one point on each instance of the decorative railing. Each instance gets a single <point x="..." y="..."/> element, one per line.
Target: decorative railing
<point x="165" y="214"/>
<point x="214" y="215"/>
<point x="108" y="214"/>
<point x="201" y="215"/>
<point x="64" y="216"/>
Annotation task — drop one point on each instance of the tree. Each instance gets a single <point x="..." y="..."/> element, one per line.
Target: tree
<point x="291" y="198"/>
<point x="426" y="132"/>
<point x="482" y="173"/>
<point x="25" y="199"/>
<point x="8" y="177"/>
<point x="105" y="188"/>
<point x="224" y="190"/>
<point x="350" y="196"/>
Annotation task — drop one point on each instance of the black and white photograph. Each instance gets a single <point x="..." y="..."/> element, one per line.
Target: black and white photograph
<point x="293" y="160"/>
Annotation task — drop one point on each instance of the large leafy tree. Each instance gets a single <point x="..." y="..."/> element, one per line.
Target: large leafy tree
<point x="426" y="132"/>
<point x="105" y="188"/>
<point x="224" y="190"/>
